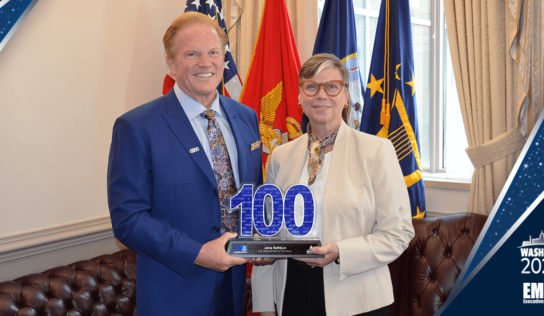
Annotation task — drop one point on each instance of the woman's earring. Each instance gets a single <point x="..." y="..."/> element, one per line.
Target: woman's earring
<point x="299" y="105"/>
<point x="346" y="106"/>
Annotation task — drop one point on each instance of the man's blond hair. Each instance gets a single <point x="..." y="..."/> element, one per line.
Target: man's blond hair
<point x="185" y="20"/>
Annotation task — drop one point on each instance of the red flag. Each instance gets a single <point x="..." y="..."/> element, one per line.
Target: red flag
<point x="168" y="84"/>
<point x="271" y="86"/>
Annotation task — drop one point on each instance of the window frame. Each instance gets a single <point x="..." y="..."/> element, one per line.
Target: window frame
<point x="437" y="92"/>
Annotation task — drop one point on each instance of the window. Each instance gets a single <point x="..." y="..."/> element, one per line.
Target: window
<point x="442" y="140"/>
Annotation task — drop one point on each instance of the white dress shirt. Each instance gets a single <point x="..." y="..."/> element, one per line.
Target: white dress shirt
<point x="193" y="109"/>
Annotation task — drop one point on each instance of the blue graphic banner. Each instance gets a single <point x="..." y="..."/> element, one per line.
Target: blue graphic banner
<point x="12" y="14"/>
<point x="524" y="185"/>
<point x="510" y="279"/>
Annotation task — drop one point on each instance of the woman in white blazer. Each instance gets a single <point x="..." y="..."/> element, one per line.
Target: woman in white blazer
<point x="363" y="212"/>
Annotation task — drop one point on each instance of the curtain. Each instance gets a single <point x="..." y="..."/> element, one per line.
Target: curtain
<point x="496" y="50"/>
<point x="245" y="17"/>
<point x="525" y="39"/>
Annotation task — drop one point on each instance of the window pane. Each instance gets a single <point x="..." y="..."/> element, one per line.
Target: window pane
<point x="361" y="41"/>
<point x="359" y="4"/>
<point x="375" y="4"/>
<point x="422" y="64"/>
<point x="447" y="74"/>
<point x="420" y="9"/>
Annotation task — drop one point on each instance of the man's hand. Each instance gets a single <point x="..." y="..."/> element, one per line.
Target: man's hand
<point x="330" y="251"/>
<point x="213" y="256"/>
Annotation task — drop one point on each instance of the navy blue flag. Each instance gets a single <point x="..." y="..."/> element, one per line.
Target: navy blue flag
<point x="231" y="85"/>
<point x="337" y="35"/>
<point x="390" y="109"/>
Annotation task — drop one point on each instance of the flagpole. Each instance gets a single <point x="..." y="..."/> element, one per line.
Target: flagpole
<point x="223" y="75"/>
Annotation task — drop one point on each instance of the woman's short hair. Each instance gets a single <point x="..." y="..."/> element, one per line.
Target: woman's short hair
<point x="315" y="64"/>
<point x="185" y="20"/>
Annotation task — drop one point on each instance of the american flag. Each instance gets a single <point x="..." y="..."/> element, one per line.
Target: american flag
<point x="231" y="86"/>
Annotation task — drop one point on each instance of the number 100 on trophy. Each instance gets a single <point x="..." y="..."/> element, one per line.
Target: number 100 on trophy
<point x="268" y="209"/>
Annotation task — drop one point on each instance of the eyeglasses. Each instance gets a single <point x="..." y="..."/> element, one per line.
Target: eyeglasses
<point x="311" y="88"/>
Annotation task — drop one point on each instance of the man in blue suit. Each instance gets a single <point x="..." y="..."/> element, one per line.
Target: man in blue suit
<point x="162" y="191"/>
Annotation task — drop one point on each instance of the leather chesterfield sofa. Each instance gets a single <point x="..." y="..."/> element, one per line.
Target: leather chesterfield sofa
<point x="422" y="276"/>
<point x="105" y="285"/>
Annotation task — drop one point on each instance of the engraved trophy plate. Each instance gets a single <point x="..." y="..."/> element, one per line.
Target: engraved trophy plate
<point x="279" y="209"/>
<point x="260" y="247"/>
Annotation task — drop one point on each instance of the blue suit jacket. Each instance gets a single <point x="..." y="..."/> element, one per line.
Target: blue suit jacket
<point x="164" y="205"/>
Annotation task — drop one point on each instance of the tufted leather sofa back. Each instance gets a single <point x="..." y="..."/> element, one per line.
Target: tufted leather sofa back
<point x="424" y="275"/>
<point x="105" y="285"/>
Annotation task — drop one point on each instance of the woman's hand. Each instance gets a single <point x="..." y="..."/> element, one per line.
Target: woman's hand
<point x="330" y="251"/>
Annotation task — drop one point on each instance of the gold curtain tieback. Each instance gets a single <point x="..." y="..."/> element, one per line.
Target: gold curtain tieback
<point x="496" y="148"/>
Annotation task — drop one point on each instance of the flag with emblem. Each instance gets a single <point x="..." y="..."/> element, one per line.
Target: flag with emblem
<point x="390" y="109"/>
<point x="337" y="35"/>
<point x="231" y="85"/>
<point x="271" y="86"/>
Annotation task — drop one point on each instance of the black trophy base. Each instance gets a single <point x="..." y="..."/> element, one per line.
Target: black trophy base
<point x="259" y="247"/>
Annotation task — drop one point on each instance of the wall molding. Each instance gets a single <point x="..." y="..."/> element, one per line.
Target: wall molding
<point x="34" y="242"/>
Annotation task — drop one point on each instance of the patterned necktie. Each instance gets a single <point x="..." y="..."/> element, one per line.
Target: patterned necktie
<point x="222" y="169"/>
<point x="316" y="152"/>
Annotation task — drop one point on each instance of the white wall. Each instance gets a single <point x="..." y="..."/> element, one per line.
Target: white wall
<point x="70" y="69"/>
<point x="442" y="201"/>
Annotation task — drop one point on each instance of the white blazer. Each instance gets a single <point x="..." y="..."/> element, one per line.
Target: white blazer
<point x="366" y="211"/>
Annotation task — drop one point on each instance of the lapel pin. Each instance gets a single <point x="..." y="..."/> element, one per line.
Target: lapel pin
<point x="194" y="150"/>
<point x="256" y="145"/>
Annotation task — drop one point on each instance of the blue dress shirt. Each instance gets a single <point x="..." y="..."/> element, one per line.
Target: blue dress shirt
<point x="193" y="109"/>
